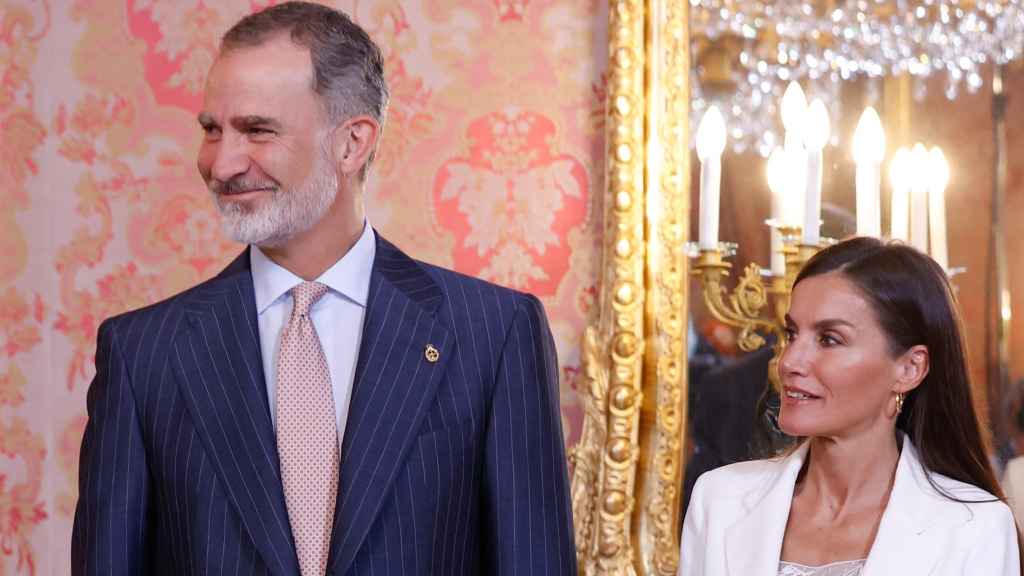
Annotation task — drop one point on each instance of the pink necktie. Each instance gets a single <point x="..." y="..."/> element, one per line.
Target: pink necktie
<point x="307" y="433"/>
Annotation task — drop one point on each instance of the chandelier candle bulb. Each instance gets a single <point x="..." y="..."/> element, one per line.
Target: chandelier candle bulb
<point x="899" y="175"/>
<point x="816" y="134"/>
<point x="776" y="172"/>
<point x="868" y="153"/>
<point x="919" y="198"/>
<point x="710" y="144"/>
<point x="794" y="120"/>
<point x="939" y="170"/>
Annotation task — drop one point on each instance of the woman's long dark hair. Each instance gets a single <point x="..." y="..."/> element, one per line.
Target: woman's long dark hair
<point x="914" y="305"/>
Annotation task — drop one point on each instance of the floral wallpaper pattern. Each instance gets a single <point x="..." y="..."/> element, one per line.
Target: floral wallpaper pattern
<point x="491" y="164"/>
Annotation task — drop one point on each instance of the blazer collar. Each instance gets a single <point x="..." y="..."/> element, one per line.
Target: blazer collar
<point x="754" y="542"/>
<point x="220" y="370"/>
<point x="907" y="534"/>
<point x="394" y="387"/>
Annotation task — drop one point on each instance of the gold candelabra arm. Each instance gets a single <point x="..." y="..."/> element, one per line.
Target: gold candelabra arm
<point x="742" y="308"/>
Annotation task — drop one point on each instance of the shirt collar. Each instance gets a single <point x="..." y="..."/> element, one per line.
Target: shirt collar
<point x="349" y="277"/>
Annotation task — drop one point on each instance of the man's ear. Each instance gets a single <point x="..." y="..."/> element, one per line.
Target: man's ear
<point x="912" y="367"/>
<point x="354" y="141"/>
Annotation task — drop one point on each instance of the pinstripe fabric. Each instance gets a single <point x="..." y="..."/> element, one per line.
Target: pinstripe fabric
<point x="448" y="467"/>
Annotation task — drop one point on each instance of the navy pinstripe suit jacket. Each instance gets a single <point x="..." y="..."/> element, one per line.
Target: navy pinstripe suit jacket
<point x="448" y="467"/>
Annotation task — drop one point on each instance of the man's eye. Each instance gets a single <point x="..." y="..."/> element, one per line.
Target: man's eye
<point x="259" y="131"/>
<point x="210" y="130"/>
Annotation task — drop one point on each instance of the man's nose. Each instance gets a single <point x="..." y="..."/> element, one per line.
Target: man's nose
<point x="228" y="157"/>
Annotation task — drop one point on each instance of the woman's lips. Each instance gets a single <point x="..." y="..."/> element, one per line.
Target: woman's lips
<point x="792" y="395"/>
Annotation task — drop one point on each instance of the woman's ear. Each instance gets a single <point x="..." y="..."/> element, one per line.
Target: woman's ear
<point x="353" y="143"/>
<point x="912" y="367"/>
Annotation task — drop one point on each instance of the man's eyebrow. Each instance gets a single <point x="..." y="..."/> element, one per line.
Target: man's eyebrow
<point x="205" y="119"/>
<point x="254" y="121"/>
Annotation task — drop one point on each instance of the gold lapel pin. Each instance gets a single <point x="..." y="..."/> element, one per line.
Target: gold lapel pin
<point x="432" y="355"/>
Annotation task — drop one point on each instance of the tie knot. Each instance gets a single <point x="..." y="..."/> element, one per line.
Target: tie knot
<point x="305" y="295"/>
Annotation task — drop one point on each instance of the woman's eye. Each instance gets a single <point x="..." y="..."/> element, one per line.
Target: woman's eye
<point x="828" y="340"/>
<point x="789" y="334"/>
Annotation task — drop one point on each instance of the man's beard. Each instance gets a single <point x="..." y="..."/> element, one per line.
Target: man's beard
<point x="286" y="213"/>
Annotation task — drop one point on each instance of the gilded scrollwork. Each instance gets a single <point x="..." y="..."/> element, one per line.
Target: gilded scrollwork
<point x="606" y="457"/>
<point x="627" y="470"/>
<point x="668" y="107"/>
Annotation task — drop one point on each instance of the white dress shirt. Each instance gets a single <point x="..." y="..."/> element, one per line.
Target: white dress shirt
<point x="337" y="317"/>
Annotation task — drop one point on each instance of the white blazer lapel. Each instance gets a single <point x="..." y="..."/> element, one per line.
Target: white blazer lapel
<point x="754" y="542"/>
<point x="906" y="542"/>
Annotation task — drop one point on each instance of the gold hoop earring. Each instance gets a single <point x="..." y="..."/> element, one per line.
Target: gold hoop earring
<point x="899" y="403"/>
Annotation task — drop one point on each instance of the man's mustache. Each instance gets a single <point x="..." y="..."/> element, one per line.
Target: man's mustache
<point x="239" y="184"/>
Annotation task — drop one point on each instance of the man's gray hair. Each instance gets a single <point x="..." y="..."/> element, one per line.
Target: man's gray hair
<point x="348" y="68"/>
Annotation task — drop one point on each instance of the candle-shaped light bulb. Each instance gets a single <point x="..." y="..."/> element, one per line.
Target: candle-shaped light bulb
<point x="939" y="170"/>
<point x="900" y="169"/>
<point x="900" y="175"/>
<point x="920" y="155"/>
<point x="794" y="118"/>
<point x="711" y="134"/>
<point x="710" y="144"/>
<point x="776" y="173"/>
<point x="816" y="133"/>
<point x="869" y="138"/>
<point x="868" y="153"/>
<point x="818" y="127"/>
<point x="794" y="108"/>
<point x="919" y="184"/>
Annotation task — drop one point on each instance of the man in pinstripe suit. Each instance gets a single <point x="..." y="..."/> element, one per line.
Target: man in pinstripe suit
<point x="445" y="388"/>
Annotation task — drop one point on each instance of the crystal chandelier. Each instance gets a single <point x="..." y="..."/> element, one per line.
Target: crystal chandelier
<point x="747" y="51"/>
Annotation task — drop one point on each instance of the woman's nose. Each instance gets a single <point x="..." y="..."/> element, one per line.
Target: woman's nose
<point x="794" y="360"/>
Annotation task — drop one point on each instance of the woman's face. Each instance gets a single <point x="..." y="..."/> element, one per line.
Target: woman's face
<point x="838" y="375"/>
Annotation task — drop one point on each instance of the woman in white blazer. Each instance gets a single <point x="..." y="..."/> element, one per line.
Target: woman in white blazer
<point x="892" y="476"/>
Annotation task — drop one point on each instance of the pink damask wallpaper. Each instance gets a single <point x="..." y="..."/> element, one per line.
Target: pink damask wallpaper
<point x="491" y="164"/>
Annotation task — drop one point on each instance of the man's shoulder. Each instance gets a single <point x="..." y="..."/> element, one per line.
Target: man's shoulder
<point x="134" y="322"/>
<point x="458" y="285"/>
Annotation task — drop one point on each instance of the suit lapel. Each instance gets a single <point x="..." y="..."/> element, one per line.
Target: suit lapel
<point x="395" y="383"/>
<point x="220" y="368"/>
<point x="754" y="542"/>
<point x="906" y="541"/>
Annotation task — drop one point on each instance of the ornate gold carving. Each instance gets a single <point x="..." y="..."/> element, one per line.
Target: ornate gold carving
<point x="627" y="466"/>
<point x="743" y="307"/>
<point x="605" y="459"/>
<point x="668" y="194"/>
<point x="634" y="359"/>
<point x="585" y="456"/>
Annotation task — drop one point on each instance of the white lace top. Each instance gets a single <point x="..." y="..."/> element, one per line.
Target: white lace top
<point x="844" y="568"/>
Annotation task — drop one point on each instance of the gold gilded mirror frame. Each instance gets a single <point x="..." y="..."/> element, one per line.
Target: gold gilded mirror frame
<point x="628" y="464"/>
